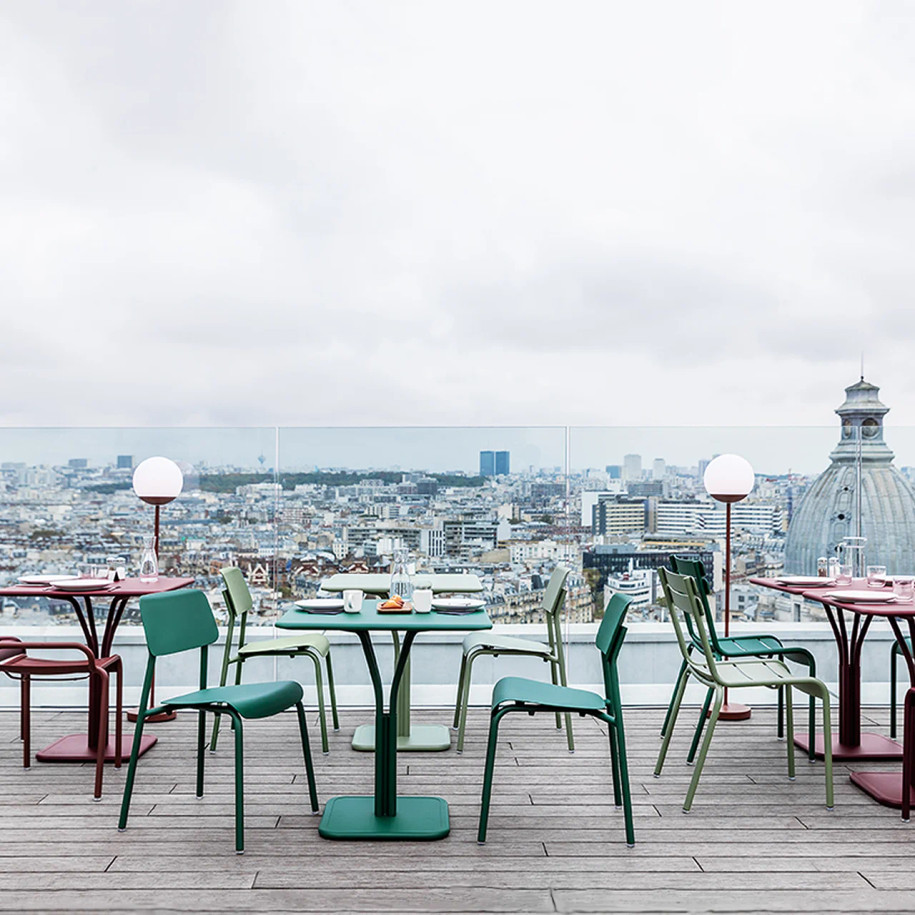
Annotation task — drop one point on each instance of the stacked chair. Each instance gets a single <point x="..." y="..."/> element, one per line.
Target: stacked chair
<point x="705" y="665"/>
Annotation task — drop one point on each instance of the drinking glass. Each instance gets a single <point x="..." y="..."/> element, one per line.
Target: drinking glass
<point x="845" y="574"/>
<point x="422" y="600"/>
<point x="904" y="588"/>
<point x="876" y="576"/>
<point x="352" y="600"/>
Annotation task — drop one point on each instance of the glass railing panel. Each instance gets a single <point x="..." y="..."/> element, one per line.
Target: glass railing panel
<point x="458" y="499"/>
<point x="638" y="495"/>
<point x="67" y="505"/>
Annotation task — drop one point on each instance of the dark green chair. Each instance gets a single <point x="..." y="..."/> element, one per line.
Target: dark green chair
<point x="739" y="646"/>
<point x="180" y="621"/>
<point x="518" y="694"/>
<point x="894" y="657"/>
<point x="684" y="601"/>
<point x="486" y="643"/>
<point x="311" y="645"/>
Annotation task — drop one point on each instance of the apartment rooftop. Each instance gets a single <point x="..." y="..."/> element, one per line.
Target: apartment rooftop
<point x="754" y="841"/>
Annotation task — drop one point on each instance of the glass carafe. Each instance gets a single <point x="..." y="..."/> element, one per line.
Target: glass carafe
<point x="851" y="552"/>
<point x="149" y="564"/>
<point x="401" y="583"/>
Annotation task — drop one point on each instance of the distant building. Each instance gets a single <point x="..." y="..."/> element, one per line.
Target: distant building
<point x="615" y="559"/>
<point x="632" y="468"/>
<point x="658" y="469"/>
<point x="503" y="463"/>
<point x="78" y="463"/>
<point x="487" y="463"/>
<point x="861" y="490"/>
<point x="615" y="471"/>
<point x="125" y="462"/>
<point x="613" y="515"/>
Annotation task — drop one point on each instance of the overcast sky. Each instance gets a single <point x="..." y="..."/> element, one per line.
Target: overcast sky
<point x="508" y="213"/>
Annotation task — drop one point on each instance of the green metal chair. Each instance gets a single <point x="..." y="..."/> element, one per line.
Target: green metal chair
<point x="487" y="643"/>
<point x="180" y="621"/>
<point x="894" y="658"/>
<point x="309" y="645"/>
<point x="740" y="646"/>
<point x="684" y="602"/>
<point x="518" y="694"/>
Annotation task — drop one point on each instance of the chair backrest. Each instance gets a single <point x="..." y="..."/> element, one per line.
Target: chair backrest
<point x="238" y="597"/>
<point x="554" y="595"/>
<point x="695" y="568"/>
<point x="609" y="640"/>
<point x="688" y="615"/>
<point x="177" y="621"/>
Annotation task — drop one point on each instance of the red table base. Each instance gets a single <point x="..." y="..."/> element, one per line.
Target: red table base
<point x="883" y="787"/>
<point x="734" y="711"/>
<point x="75" y="748"/>
<point x="872" y="746"/>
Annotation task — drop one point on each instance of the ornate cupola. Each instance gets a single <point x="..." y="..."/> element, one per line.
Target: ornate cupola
<point x="860" y="492"/>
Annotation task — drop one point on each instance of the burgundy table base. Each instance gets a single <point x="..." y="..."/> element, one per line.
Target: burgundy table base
<point x="883" y="787"/>
<point x="75" y="748"/>
<point x="870" y="747"/>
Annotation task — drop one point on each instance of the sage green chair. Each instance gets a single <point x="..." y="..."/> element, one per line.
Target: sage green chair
<point x="740" y="646"/>
<point x="178" y="621"/>
<point x="518" y="694"/>
<point x="894" y="659"/>
<point x="478" y="644"/>
<point x="685" y="603"/>
<point x="309" y="645"/>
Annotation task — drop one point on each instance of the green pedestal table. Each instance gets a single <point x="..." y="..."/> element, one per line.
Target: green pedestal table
<point x="384" y="815"/>
<point x="410" y="737"/>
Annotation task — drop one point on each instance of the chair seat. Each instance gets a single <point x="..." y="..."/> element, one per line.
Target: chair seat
<point x="486" y="640"/>
<point x="739" y="645"/>
<point x="536" y="692"/>
<point x="250" y="700"/>
<point x="288" y="645"/>
<point x="764" y="673"/>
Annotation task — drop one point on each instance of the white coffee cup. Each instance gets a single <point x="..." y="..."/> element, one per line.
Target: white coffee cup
<point x="422" y="600"/>
<point x="352" y="600"/>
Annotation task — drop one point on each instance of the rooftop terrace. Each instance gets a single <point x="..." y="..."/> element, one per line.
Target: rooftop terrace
<point x="754" y="841"/>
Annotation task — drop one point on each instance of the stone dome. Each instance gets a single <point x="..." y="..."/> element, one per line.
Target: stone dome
<point x="834" y="504"/>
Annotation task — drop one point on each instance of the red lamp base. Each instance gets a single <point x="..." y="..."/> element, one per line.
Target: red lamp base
<point x="734" y="711"/>
<point x="132" y="715"/>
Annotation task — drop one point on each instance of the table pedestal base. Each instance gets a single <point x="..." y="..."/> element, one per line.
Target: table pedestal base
<point x="75" y="748"/>
<point x="354" y="818"/>
<point x="872" y="746"/>
<point x="883" y="787"/>
<point x="734" y="711"/>
<point x="430" y="738"/>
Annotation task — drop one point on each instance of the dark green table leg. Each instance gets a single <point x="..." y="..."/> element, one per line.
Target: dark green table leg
<point x="385" y="815"/>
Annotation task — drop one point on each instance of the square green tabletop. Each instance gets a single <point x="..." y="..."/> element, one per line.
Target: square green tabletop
<point x="380" y="583"/>
<point x="370" y="619"/>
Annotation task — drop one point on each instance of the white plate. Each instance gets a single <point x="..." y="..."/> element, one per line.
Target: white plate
<point x="877" y="596"/>
<point x="326" y="603"/>
<point x="43" y="579"/>
<point x="82" y="584"/>
<point x="808" y="581"/>
<point x="457" y="603"/>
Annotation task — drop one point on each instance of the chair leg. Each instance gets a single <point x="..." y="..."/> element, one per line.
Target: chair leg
<point x="497" y="715"/>
<point x="239" y="786"/>
<point x="617" y="728"/>
<point x="333" y="692"/>
<point x="306" y="752"/>
<point x="789" y="717"/>
<point x="827" y="749"/>
<point x="465" y="701"/>
<point x="894" y="651"/>
<point x="132" y="767"/>
<point x="674" y="710"/>
<point x="25" y="720"/>
<point x="201" y="743"/>
<point x="119" y="715"/>
<point x="460" y="692"/>
<point x="670" y="705"/>
<point x="703" y="752"/>
<point x="319" y="686"/>
<point x="908" y="735"/>
<point x="780" y="725"/>
<point x="700" y="724"/>
<point x="615" y="766"/>
<point x="568" y="717"/>
<point x="102" y="746"/>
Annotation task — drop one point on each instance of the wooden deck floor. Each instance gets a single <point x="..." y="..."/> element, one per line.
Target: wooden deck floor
<point x="755" y="842"/>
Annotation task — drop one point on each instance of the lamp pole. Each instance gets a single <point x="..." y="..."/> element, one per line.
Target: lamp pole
<point x="729" y="478"/>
